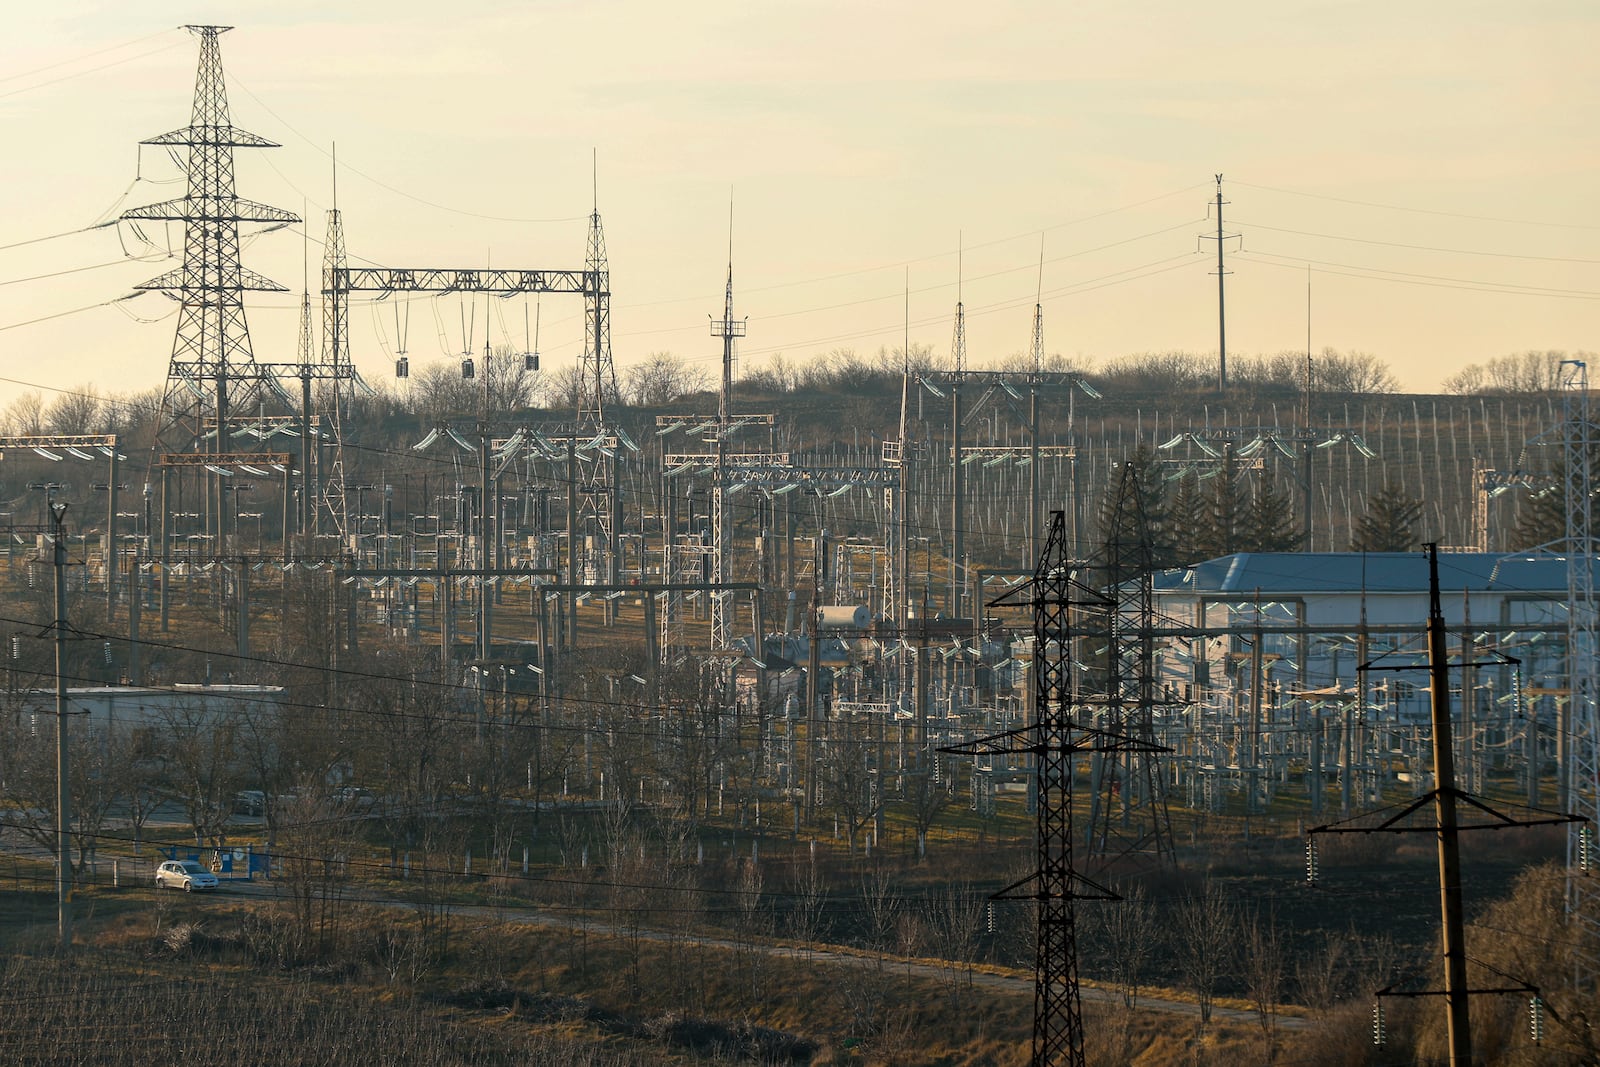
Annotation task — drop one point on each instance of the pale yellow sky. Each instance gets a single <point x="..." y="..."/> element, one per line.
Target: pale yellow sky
<point x="1431" y="161"/>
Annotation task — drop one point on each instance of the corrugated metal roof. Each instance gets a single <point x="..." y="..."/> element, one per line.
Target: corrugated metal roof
<point x="1376" y="572"/>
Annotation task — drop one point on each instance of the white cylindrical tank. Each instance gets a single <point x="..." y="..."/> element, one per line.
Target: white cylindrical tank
<point x="844" y="616"/>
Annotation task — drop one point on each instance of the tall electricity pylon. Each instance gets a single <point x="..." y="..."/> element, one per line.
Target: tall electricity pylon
<point x="337" y="367"/>
<point x="1128" y="818"/>
<point x="1582" y="784"/>
<point x="213" y="369"/>
<point x="1055" y="738"/>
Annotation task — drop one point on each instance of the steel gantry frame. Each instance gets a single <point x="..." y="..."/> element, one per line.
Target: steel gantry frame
<point x="1006" y="384"/>
<point x="596" y="373"/>
<point x="76" y="445"/>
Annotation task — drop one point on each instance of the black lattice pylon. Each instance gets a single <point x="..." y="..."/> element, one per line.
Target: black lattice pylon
<point x="1055" y="739"/>
<point x="1129" y="824"/>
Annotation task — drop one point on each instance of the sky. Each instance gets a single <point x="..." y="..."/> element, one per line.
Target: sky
<point x="1433" y="164"/>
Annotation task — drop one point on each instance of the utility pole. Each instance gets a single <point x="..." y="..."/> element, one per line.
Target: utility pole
<point x="58" y="513"/>
<point x="1447" y="827"/>
<point x="1307" y="435"/>
<point x="1221" y="272"/>
<point x="1444" y="801"/>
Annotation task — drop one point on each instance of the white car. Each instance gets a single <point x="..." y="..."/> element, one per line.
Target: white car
<point x="186" y="875"/>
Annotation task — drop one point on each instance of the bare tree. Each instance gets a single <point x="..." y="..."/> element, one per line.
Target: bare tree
<point x="925" y="799"/>
<point x="810" y="898"/>
<point x="1321" y="975"/>
<point x="563" y="388"/>
<point x="78" y="410"/>
<point x="850" y="788"/>
<point x="1357" y="373"/>
<point x="919" y="358"/>
<point x="1468" y="381"/>
<point x="1206" y="925"/>
<point x="660" y="379"/>
<point x="778" y="376"/>
<point x="202" y="764"/>
<point x="133" y="416"/>
<point x="28" y="781"/>
<point x="751" y="923"/>
<point x="438" y="391"/>
<point x="1263" y="972"/>
<point x="1129" y="931"/>
<point x="956" y="916"/>
<point x="313" y="844"/>
<point x="1023" y="363"/>
<point x="25" y="414"/>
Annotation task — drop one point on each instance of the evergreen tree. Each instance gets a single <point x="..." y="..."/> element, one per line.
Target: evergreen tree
<point x="1269" y="524"/>
<point x="1542" y="518"/>
<point x="1388" y="524"/>
<point x="1228" y="509"/>
<point x="1134" y="524"/>
<point x="1190" y="522"/>
<point x="1542" y="515"/>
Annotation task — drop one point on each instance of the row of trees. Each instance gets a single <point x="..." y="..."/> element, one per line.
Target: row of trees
<point x="1519" y="372"/>
<point x="1145" y="519"/>
<point x="506" y="384"/>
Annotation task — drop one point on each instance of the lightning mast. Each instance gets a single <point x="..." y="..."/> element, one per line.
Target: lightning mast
<point x="728" y="329"/>
<point x="958" y="370"/>
<point x="597" y="379"/>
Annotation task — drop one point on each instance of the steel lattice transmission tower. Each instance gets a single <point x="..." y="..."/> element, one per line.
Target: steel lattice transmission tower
<point x="1128" y="818"/>
<point x="1054" y="739"/>
<point x="338" y="368"/>
<point x="1582" y="784"/>
<point x="213" y="369"/>
<point x="597" y="377"/>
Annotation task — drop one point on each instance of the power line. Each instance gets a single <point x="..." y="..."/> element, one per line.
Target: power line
<point x="384" y="185"/>
<point x="1422" y="248"/>
<point x="1469" y="284"/>
<point x="1421" y="210"/>
<point x="81" y="73"/>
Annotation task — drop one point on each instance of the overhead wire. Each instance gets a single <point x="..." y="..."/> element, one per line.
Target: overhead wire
<point x="345" y="165"/>
<point x="1411" y="247"/>
<point x="1432" y="281"/>
<point x="1416" y="210"/>
<point x="83" y="73"/>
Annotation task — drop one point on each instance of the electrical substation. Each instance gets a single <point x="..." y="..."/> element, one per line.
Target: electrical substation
<point x="958" y="588"/>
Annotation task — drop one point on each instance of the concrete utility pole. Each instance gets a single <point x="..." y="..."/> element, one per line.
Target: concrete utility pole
<point x="58" y="512"/>
<point x="1222" y="319"/>
<point x="1444" y="799"/>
